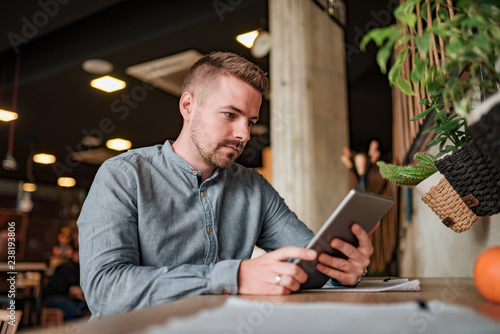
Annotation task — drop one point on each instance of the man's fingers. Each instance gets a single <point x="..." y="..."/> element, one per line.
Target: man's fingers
<point x="335" y="262"/>
<point x="365" y="244"/>
<point x="340" y="276"/>
<point x="346" y="248"/>
<point x="291" y="252"/>
<point x="270" y="274"/>
<point x="292" y="270"/>
<point x="289" y="283"/>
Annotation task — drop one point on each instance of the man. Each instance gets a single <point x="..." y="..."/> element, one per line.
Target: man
<point x="181" y="219"/>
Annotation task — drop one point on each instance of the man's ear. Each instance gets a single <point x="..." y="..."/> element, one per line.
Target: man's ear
<point x="186" y="104"/>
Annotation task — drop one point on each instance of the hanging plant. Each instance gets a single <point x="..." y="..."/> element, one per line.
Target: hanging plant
<point x="452" y="59"/>
<point x="444" y="55"/>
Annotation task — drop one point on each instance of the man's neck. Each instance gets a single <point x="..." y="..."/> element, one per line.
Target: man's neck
<point x="183" y="148"/>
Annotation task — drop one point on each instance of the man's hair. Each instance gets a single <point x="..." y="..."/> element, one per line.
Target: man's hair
<point x="205" y="73"/>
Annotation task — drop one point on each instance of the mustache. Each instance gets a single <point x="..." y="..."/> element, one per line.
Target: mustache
<point x="235" y="143"/>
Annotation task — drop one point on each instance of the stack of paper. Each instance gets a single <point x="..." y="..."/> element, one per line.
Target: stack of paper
<point x="372" y="285"/>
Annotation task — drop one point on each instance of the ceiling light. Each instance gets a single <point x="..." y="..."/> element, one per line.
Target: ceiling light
<point x="29" y="187"/>
<point x="118" y="144"/>
<point x="97" y="66"/>
<point x="248" y="38"/>
<point x="7" y="116"/>
<point x="43" y="158"/>
<point x="108" y="84"/>
<point x="66" y="182"/>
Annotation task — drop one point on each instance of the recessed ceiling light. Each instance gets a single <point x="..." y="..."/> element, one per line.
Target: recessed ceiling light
<point x="7" y="116"/>
<point x="108" y="84"/>
<point x="248" y="38"/>
<point x="97" y="66"/>
<point x="29" y="187"/>
<point x="66" y="182"/>
<point x="43" y="158"/>
<point x="118" y="144"/>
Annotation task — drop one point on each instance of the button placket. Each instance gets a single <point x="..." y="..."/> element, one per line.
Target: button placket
<point x="210" y="224"/>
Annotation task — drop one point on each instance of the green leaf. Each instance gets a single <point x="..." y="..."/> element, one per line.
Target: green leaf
<point x="394" y="74"/>
<point x="405" y="86"/>
<point x="454" y="48"/>
<point x="424" y="102"/>
<point x="434" y="143"/>
<point x="440" y="114"/>
<point x="449" y="148"/>
<point x="443" y="14"/>
<point x="473" y="53"/>
<point x="495" y="32"/>
<point x="449" y="126"/>
<point x="424" y="43"/>
<point x="434" y="86"/>
<point x="405" y="9"/>
<point x="482" y="41"/>
<point x="421" y="115"/>
<point x="417" y="71"/>
<point x="430" y="129"/>
<point x="475" y="22"/>
<point x="383" y="56"/>
<point x="441" y="145"/>
<point x="403" y="40"/>
<point x="463" y="4"/>
<point x="396" y="69"/>
<point x="379" y="35"/>
<point x="410" y="19"/>
<point x="437" y="94"/>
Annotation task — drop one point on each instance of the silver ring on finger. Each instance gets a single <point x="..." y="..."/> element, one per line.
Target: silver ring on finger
<point x="277" y="279"/>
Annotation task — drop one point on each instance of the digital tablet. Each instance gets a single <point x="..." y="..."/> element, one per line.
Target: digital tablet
<point x="363" y="208"/>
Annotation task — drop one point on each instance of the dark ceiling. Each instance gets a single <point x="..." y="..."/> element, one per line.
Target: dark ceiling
<point x="57" y="106"/>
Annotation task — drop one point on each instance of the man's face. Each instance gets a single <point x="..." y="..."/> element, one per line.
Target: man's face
<point x="220" y="127"/>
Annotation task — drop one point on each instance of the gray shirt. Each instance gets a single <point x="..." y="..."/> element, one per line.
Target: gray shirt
<point x="151" y="232"/>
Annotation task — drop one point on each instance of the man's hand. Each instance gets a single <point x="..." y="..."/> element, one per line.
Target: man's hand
<point x="258" y="276"/>
<point x="346" y="272"/>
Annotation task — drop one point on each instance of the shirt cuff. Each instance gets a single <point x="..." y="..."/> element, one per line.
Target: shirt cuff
<point x="224" y="277"/>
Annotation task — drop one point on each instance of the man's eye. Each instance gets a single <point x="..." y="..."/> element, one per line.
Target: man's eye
<point x="250" y="124"/>
<point x="229" y="114"/>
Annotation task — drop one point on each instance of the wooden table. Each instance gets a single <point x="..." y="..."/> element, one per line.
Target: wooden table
<point x="459" y="291"/>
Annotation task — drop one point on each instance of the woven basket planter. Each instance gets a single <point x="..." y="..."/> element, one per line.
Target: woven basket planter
<point x="484" y="128"/>
<point x="473" y="177"/>
<point x="468" y="182"/>
<point x="446" y="203"/>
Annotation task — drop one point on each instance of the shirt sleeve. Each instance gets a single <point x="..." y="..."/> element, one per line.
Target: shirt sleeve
<point x="112" y="277"/>
<point x="281" y="226"/>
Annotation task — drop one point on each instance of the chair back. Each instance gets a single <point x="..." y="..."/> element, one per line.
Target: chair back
<point x="6" y="317"/>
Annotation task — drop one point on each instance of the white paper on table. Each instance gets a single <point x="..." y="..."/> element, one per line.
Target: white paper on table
<point x="375" y="285"/>
<point x="239" y="315"/>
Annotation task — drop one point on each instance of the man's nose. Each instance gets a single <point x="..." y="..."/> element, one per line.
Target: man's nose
<point x="242" y="132"/>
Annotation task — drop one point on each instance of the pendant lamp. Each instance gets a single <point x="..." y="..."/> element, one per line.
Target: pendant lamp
<point x="9" y="163"/>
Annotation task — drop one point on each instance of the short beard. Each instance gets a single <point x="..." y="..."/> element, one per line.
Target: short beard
<point x="212" y="158"/>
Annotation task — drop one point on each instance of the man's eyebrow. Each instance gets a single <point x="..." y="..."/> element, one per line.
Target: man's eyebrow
<point x="239" y="111"/>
